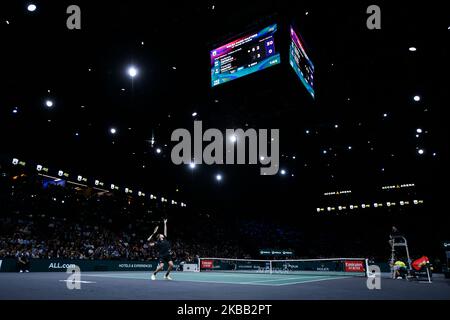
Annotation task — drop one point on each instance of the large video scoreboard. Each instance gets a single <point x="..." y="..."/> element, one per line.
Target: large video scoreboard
<point x="243" y="56"/>
<point x="301" y="63"/>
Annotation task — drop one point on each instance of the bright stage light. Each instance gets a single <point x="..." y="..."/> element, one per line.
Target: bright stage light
<point x="219" y="177"/>
<point x="31" y="7"/>
<point x="49" y="103"/>
<point x="416" y="98"/>
<point x="132" y="72"/>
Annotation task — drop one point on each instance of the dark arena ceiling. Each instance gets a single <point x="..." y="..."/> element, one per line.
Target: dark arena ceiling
<point x="377" y="119"/>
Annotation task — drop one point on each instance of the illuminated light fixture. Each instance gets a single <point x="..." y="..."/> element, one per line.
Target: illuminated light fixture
<point x="419" y="130"/>
<point x="79" y="178"/>
<point x="192" y="165"/>
<point x="375" y="205"/>
<point x="363" y="206"/>
<point x="233" y="138"/>
<point x="97" y="182"/>
<point x="113" y="130"/>
<point x="351" y="207"/>
<point x="127" y="190"/>
<point x="39" y="167"/>
<point x="15" y="161"/>
<point x="420" y="151"/>
<point x="416" y="98"/>
<point x="340" y="208"/>
<point x="261" y="158"/>
<point x="283" y="172"/>
<point x="60" y="173"/>
<point x="388" y="204"/>
<point x="329" y="208"/>
<point x="219" y="177"/>
<point x="415" y="201"/>
<point x="113" y="186"/>
<point x="158" y="150"/>
<point x="318" y="209"/>
<point x="132" y="71"/>
<point x="49" y="103"/>
<point x="139" y="193"/>
<point x="194" y="114"/>
<point x="31" y="7"/>
<point x="412" y="49"/>
<point x="402" y="203"/>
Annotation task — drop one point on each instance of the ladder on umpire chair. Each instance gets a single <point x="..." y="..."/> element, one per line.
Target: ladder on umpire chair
<point x="396" y="242"/>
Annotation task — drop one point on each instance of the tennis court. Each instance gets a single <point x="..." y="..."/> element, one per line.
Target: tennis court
<point x="137" y="285"/>
<point x="226" y="278"/>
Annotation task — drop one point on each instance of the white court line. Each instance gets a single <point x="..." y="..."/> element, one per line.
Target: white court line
<point x="250" y="282"/>
<point x="77" y="281"/>
<point x="306" y="281"/>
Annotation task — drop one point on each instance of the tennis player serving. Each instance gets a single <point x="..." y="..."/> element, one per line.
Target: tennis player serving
<point x="165" y="254"/>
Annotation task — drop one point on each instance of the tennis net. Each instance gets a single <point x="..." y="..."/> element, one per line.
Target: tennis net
<point x="332" y="266"/>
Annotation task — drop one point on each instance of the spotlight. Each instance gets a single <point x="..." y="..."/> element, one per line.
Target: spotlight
<point x="132" y="72"/>
<point x="194" y="114"/>
<point x="419" y="130"/>
<point x="158" y="150"/>
<point x="420" y="151"/>
<point x="113" y="130"/>
<point x="219" y="177"/>
<point x="412" y="49"/>
<point x="49" y="103"/>
<point x="416" y="98"/>
<point x="192" y="165"/>
<point x="31" y="7"/>
<point x="233" y="138"/>
<point x="283" y="172"/>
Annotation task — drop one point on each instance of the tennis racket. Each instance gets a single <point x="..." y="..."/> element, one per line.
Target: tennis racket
<point x="154" y="232"/>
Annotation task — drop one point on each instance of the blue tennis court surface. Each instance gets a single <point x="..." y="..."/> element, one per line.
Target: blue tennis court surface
<point x="227" y="278"/>
<point x="211" y="286"/>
